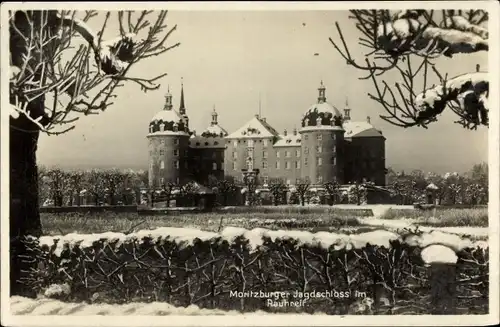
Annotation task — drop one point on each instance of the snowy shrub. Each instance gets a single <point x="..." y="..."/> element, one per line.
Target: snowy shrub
<point x="189" y="266"/>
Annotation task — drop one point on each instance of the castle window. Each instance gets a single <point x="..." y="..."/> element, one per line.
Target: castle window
<point x="206" y="143"/>
<point x="319" y="149"/>
<point x="334" y="149"/>
<point x="214" y="155"/>
<point x="297" y="164"/>
<point x="319" y="137"/>
<point x="319" y="161"/>
<point x="277" y="165"/>
<point x="305" y="161"/>
<point x="177" y="181"/>
<point x="235" y="155"/>
<point x="264" y="154"/>
<point x="306" y="137"/>
<point x="234" y="165"/>
<point x="297" y="181"/>
<point x="265" y="142"/>
<point x="319" y="179"/>
<point x="162" y="164"/>
<point x="176" y="164"/>
<point x="265" y="179"/>
<point x="197" y="143"/>
<point x="250" y="143"/>
<point x="277" y="154"/>
<point x="176" y="141"/>
<point x="297" y="153"/>
<point x="176" y="128"/>
<point x="334" y="136"/>
<point x="287" y="165"/>
<point x="162" y="181"/>
<point x="264" y="164"/>
<point x="214" y="166"/>
<point x="216" y="143"/>
<point x="288" y="182"/>
<point x="176" y="152"/>
<point x="333" y="160"/>
<point x="235" y="143"/>
<point x="306" y="150"/>
<point x="162" y="142"/>
<point x="287" y="154"/>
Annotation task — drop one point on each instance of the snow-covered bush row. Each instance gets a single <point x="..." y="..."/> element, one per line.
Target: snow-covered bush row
<point x="184" y="237"/>
<point x="187" y="266"/>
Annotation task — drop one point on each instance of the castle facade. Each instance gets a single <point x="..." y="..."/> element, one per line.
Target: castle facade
<point x="328" y="146"/>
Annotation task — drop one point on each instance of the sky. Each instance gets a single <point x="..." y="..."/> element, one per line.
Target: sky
<point x="230" y="59"/>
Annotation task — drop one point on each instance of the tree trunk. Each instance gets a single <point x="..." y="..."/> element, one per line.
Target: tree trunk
<point x="24" y="217"/>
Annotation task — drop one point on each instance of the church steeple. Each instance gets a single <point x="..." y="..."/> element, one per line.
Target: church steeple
<point x="168" y="100"/>
<point x="182" y="107"/>
<point x="214" y="117"/>
<point x="321" y="96"/>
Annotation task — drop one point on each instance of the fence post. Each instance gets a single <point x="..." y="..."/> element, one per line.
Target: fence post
<point x="441" y="262"/>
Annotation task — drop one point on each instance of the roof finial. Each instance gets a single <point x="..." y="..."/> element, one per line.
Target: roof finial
<point x="182" y="106"/>
<point x="260" y="106"/>
<point x="321" y="96"/>
<point x="214" y="117"/>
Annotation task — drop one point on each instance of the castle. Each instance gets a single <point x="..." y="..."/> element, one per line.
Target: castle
<point x="328" y="146"/>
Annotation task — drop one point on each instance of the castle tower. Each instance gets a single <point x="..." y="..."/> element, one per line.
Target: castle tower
<point x="322" y="139"/>
<point x="168" y="146"/>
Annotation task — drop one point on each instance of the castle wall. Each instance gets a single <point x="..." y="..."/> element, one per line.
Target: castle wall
<point x="365" y="158"/>
<point x="322" y="159"/>
<point x="172" y="150"/>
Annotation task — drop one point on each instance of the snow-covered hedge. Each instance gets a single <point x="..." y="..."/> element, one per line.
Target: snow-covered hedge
<point x="188" y="266"/>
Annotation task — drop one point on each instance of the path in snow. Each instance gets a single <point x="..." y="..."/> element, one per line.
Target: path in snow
<point x="44" y="306"/>
<point x="379" y="210"/>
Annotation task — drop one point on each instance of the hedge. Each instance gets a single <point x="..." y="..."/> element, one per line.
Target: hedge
<point x="399" y="273"/>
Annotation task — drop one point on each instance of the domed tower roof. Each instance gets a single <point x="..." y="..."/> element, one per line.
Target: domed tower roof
<point x="322" y="114"/>
<point x="214" y="128"/>
<point x="168" y="121"/>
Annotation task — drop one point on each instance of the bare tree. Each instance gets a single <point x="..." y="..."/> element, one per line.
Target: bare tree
<point x="114" y="182"/>
<point x="76" y="181"/>
<point x="302" y="187"/>
<point x="278" y="188"/>
<point x="333" y="190"/>
<point x="409" y="42"/>
<point x="58" y="184"/>
<point x="52" y="83"/>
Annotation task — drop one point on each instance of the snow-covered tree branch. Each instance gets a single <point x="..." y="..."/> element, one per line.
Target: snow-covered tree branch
<point x="409" y="42"/>
<point x="82" y="80"/>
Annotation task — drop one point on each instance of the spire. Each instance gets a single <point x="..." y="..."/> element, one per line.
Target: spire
<point x="321" y="96"/>
<point x="168" y="100"/>
<point x="347" y="111"/>
<point x="182" y="107"/>
<point x="214" y="117"/>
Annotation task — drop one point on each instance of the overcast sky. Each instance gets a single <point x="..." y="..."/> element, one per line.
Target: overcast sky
<point x="228" y="58"/>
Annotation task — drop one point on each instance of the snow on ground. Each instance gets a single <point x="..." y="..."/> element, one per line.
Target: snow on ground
<point x="44" y="306"/>
<point x="412" y="224"/>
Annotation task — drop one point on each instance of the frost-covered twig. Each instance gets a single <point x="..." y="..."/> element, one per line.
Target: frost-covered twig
<point x="469" y="91"/>
<point x="395" y="38"/>
<point x="409" y="36"/>
<point x="38" y="69"/>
